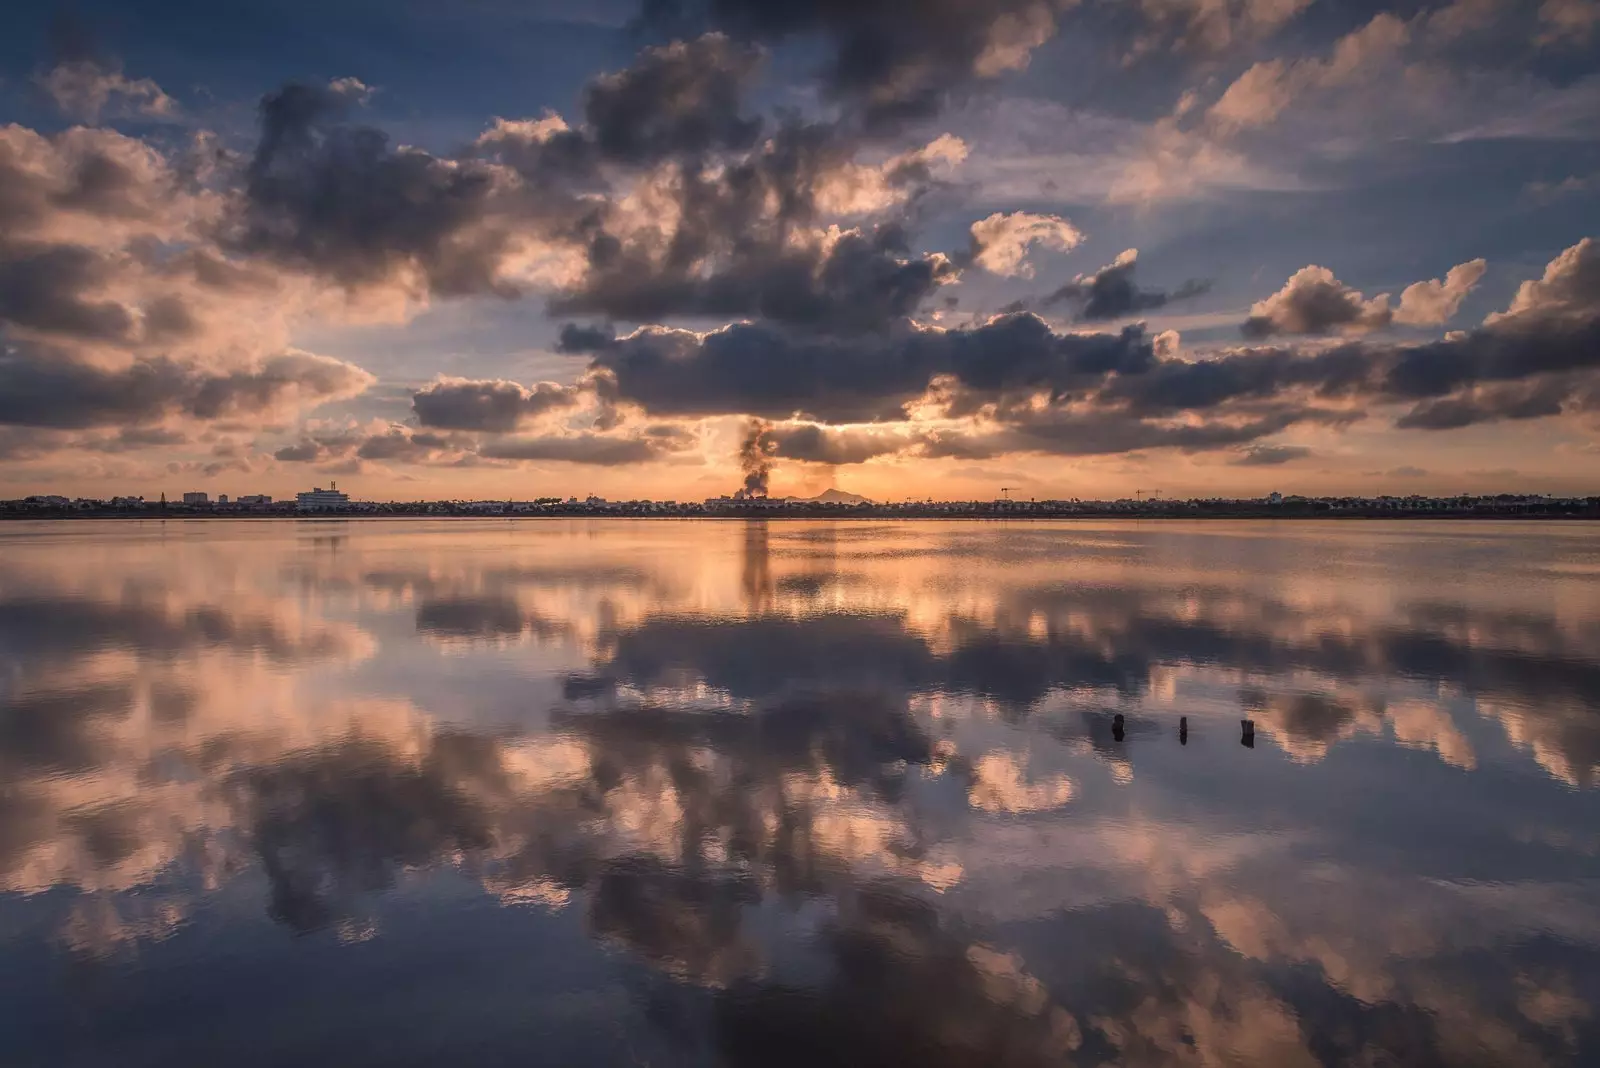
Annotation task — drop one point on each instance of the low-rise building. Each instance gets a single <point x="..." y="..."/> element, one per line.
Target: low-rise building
<point x="318" y="499"/>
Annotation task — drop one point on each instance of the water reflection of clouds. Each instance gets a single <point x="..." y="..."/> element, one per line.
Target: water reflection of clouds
<point x="880" y="721"/>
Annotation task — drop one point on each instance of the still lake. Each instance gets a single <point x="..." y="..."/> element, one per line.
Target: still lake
<point x="799" y="793"/>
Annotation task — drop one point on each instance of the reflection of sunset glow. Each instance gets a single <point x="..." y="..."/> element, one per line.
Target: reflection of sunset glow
<point x="664" y="731"/>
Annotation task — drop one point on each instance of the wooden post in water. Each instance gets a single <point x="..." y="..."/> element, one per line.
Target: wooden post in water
<point x="1116" y="727"/>
<point x="1183" y="730"/>
<point x="1247" y="737"/>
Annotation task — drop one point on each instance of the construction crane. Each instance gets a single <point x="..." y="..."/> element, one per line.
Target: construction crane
<point x="1005" y="493"/>
<point x="1139" y="494"/>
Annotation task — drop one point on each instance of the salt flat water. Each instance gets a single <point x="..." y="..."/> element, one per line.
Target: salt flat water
<point x="799" y="793"/>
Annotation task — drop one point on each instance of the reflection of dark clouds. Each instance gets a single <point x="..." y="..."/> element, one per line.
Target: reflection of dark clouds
<point x="470" y="618"/>
<point x="805" y="585"/>
<point x="693" y="839"/>
<point x="1019" y="671"/>
<point x="1307" y="717"/>
<point x="604" y="577"/>
<point x="767" y="656"/>
<point x="860" y="738"/>
<point x="54" y="731"/>
<point x="688" y="923"/>
<point x="484" y="617"/>
<point x="340" y="821"/>
<point x="902" y="990"/>
<point x="1119" y="636"/>
<point x="69" y="626"/>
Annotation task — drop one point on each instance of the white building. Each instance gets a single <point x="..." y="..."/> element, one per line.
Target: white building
<point x="196" y="498"/>
<point x="322" y="500"/>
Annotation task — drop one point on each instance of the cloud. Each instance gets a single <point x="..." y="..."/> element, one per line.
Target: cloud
<point x="1262" y="92"/>
<point x="1568" y="22"/>
<point x="887" y="64"/>
<point x="811" y="443"/>
<point x="1541" y="192"/>
<point x="599" y="450"/>
<point x="1406" y="471"/>
<point x="498" y="405"/>
<point x="1270" y="455"/>
<point x="1313" y="301"/>
<point x="684" y="97"/>
<point x="756" y="369"/>
<point x="1569" y="291"/>
<point x="1209" y="27"/>
<point x="1000" y="243"/>
<point x="1014" y="385"/>
<point x="1538" y="358"/>
<point x="1111" y="293"/>
<point x="401" y="444"/>
<point x="1484" y="404"/>
<point x="38" y="389"/>
<point x="846" y="283"/>
<point x="1434" y="302"/>
<point x="665" y="202"/>
<point x="83" y="89"/>
<point x="44" y="289"/>
<point x="336" y="200"/>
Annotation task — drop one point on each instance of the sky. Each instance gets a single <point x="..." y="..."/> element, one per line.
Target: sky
<point x="908" y="248"/>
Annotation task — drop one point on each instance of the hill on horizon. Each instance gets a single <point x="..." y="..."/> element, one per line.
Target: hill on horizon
<point x="834" y="496"/>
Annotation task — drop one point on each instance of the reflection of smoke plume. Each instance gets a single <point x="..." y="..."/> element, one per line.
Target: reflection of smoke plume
<point x="758" y="587"/>
<point x="755" y="458"/>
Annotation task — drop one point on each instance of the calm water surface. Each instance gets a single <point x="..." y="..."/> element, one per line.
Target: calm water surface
<point x="658" y="793"/>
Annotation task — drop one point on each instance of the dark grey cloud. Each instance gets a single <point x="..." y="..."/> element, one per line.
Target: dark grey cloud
<point x="1270" y="455"/>
<point x="890" y="61"/>
<point x="757" y="369"/>
<point x="684" y="97"/>
<point x="1313" y="301"/>
<point x="332" y="197"/>
<point x="320" y="448"/>
<point x="497" y="405"/>
<point x="599" y="450"/>
<point x="1520" y="400"/>
<point x="90" y="172"/>
<point x="42" y="390"/>
<point x="337" y="200"/>
<point x="1103" y="433"/>
<point x="1106" y="393"/>
<point x="303" y="452"/>
<point x="399" y="444"/>
<point x="409" y="446"/>
<point x="811" y="443"/>
<point x="1538" y="358"/>
<point x="862" y="282"/>
<point x="46" y="288"/>
<point x="1112" y="293"/>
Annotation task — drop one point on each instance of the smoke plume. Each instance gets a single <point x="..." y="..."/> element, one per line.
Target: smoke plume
<point x="755" y="458"/>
